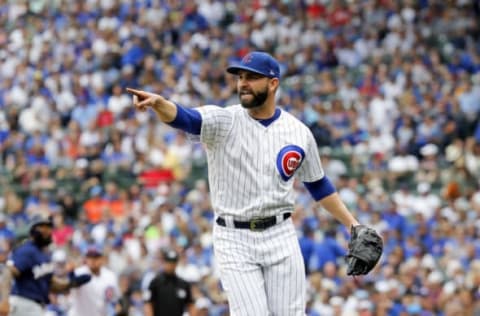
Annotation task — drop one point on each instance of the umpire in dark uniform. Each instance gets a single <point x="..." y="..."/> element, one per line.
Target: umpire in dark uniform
<point x="167" y="294"/>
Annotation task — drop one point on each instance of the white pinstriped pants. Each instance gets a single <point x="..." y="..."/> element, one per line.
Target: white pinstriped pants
<point x="262" y="272"/>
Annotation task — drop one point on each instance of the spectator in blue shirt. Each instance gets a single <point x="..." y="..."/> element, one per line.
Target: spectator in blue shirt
<point x="327" y="250"/>
<point x="84" y="113"/>
<point x="307" y="245"/>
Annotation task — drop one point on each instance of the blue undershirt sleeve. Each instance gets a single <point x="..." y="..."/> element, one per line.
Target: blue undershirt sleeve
<point x="188" y="120"/>
<point x="321" y="188"/>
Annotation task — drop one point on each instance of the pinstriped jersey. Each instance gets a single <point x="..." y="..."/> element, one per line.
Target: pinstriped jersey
<point x="252" y="166"/>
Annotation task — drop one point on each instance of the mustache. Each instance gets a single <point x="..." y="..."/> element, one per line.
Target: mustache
<point x="246" y="92"/>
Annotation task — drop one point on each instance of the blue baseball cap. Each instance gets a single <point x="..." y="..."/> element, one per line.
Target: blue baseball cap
<point x="258" y="62"/>
<point x="94" y="251"/>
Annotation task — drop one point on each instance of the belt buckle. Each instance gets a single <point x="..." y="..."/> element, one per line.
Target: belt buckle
<point x="257" y="224"/>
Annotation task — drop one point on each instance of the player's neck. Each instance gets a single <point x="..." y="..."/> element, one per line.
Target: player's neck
<point x="263" y="112"/>
<point x="96" y="272"/>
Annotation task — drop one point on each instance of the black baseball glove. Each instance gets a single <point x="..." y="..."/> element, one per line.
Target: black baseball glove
<point x="364" y="250"/>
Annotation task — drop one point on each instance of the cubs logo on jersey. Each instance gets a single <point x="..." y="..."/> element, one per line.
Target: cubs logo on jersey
<point x="289" y="160"/>
<point x="109" y="294"/>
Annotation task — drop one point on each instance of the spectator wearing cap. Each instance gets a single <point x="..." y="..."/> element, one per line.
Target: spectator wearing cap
<point x="167" y="294"/>
<point x="100" y="296"/>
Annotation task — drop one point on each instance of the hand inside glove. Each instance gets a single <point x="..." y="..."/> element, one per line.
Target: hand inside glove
<point x="364" y="250"/>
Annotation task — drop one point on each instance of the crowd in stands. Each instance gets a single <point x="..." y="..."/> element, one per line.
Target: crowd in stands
<point x="390" y="90"/>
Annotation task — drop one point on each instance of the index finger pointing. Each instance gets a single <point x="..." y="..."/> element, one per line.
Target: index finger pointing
<point x="136" y="92"/>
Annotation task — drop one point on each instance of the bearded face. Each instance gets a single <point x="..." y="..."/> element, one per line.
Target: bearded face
<point x="41" y="238"/>
<point x="253" y="89"/>
<point x="250" y="99"/>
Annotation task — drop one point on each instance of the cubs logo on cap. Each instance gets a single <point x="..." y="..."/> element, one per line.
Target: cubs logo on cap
<point x="94" y="251"/>
<point x="258" y="62"/>
<point x="247" y="59"/>
<point x="289" y="160"/>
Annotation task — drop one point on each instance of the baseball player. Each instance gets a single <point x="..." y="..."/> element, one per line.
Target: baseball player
<point x="32" y="271"/>
<point x="254" y="151"/>
<point x="100" y="296"/>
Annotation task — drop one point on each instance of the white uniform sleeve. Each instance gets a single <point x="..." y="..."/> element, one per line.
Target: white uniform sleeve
<point x="311" y="168"/>
<point x="216" y="124"/>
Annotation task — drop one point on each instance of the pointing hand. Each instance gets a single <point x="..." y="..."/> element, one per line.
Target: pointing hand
<point x="143" y="100"/>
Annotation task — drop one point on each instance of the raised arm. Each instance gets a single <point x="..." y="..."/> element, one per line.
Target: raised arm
<point x="177" y="116"/>
<point x="166" y="110"/>
<point x="63" y="284"/>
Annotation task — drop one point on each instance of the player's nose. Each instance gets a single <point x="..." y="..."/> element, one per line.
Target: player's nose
<point x="242" y="82"/>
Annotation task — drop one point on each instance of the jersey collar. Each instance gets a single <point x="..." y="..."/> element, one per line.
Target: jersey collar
<point x="267" y="122"/>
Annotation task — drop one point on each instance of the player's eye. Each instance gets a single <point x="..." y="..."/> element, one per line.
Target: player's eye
<point x="254" y="77"/>
<point x="250" y="76"/>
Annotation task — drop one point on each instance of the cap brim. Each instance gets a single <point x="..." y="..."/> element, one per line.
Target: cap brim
<point x="235" y="69"/>
<point x="171" y="259"/>
<point x="46" y="223"/>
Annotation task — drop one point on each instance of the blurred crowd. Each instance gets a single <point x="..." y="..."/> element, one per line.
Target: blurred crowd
<point x="390" y="90"/>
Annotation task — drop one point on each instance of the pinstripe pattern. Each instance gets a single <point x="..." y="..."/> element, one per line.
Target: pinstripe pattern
<point x="262" y="271"/>
<point x="242" y="154"/>
<point x="285" y="279"/>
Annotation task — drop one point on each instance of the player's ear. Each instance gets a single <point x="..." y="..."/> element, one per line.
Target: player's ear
<point x="274" y="82"/>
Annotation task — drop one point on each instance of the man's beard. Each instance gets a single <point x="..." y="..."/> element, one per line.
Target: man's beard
<point x="40" y="240"/>
<point x="257" y="101"/>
